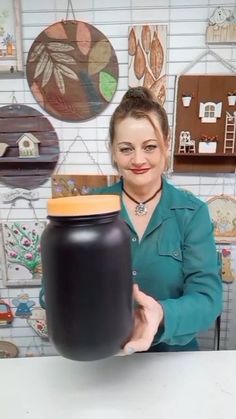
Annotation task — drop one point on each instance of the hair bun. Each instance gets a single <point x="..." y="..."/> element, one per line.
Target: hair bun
<point x="139" y="92"/>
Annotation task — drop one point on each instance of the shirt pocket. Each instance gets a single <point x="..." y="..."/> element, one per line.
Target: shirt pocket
<point x="171" y="249"/>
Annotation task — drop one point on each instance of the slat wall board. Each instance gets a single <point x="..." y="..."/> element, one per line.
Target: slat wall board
<point x="186" y="22"/>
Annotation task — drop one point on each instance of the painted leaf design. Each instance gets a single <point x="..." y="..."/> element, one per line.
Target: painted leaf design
<point x="156" y="56"/>
<point x="41" y="64"/>
<point x="83" y="38"/>
<point x="132" y="42"/>
<point x="67" y="72"/>
<point x="56" y="31"/>
<point x="148" y="79"/>
<point x="59" y="80"/>
<point x="107" y="85"/>
<point x="37" y="93"/>
<point x="47" y="72"/>
<point x="159" y="89"/>
<point x="99" y="56"/>
<point x="36" y="52"/>
<point x="59" y="46"/>
<point x="146" y="38"/>
<point x="139" y="62"/>
<point x="64" y="58"/>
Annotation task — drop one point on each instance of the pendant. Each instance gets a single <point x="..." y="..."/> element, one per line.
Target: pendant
<point x="140" y="209"/>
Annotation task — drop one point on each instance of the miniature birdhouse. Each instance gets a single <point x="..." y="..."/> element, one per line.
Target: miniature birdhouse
<point x="28" y="146"/>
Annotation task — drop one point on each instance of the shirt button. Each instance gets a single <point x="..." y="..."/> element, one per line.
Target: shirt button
<point x="176" y="253"/>
<point x="134" y="273"/>
<point x="134" y="239"/>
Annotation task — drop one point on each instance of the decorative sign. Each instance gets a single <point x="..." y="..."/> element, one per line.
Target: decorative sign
<point x="228" y="264"/>
<point x="205" y="126"/>
<point x="72" y="185"/>
<point x="221" y="28"/>
<point x="21" y="253"/>
<point x="23" y="306"/>
<point x="8" y="349"/>
<point x="72" y="70"/>
<point x="11" y="55"/>
<point x="222" y="209"/>
<point x="37" y="321"/>
<point x="147" y="58"/>
<point x="29" y="148"/>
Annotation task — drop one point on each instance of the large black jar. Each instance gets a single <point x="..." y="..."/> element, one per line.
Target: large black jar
<point x="86" y="263"/>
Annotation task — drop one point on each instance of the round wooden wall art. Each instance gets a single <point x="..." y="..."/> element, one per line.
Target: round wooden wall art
<point x="29" y="148"/>
<point x="72" y="70"/>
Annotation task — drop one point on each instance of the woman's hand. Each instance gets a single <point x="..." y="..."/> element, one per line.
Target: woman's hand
<point x="147" y="318"/>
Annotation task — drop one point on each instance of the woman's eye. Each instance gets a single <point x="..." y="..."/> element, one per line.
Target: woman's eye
<point x="126" y="150"/>
<point x="150" y="147"/>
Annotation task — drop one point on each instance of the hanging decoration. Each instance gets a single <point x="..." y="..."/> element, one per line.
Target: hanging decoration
<point x="206" y="128"/>
<point x="72" y="70"/>
<point x="23" y="306"/>
<point x="72" y="185"/>
<point x="29" y="146"/>
<point x="228" y="264"/>
<point x="8" y="349"/>
<point x="222" y="210"/>
<point x="147" y="58"/>
<point x="221" y="27"/>
<point x="37" y="321"/>
<point x="20" y="252"/>
<point x="6" y="316"/>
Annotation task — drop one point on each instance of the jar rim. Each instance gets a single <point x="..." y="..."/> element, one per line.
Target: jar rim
<point x="83" y="205"/>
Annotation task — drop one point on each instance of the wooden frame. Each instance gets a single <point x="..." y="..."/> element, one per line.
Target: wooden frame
<point x="11" y="51"/>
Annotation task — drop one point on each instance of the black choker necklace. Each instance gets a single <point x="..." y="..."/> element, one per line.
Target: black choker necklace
<point x="141" y="208"/>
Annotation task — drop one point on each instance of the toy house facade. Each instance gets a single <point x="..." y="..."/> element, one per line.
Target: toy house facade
<point x="28" y="146"/>
<point x="205" y="130"/>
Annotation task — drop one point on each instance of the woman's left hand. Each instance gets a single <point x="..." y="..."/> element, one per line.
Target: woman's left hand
<point x="147" y="318"/>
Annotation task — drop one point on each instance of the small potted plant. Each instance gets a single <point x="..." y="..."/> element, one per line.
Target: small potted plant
<point x="186" y="99"/>
<point x="208" y="144"/>
<point x="8" y="42"/>
<point x="232" y="98"/>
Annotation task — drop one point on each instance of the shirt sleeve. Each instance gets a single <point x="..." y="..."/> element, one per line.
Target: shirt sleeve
<point x="201" y="301"/>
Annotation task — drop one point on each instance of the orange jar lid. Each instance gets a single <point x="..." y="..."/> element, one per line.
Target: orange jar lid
<point x="83" y="205"/>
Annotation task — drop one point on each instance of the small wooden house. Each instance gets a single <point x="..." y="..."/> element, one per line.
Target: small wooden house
<point x="28" y="145"/>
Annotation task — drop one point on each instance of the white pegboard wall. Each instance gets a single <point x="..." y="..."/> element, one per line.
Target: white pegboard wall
<point x="186" y="22"/>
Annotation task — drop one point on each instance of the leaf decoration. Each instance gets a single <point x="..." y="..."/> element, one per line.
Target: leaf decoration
<point x="146" y="38"/>
<point x="139" y="62"/>
<point x="47" y="72"/>
<point x="67" y="72"/>
<point x="64" y="58"/>
<point x="41" y="64"/>
<point x="59" y="46"/>
<point x="59" y="80"/>
<point x="36" y="52"/>
<point x="132" y="42"/>
<point x="99" y="56"/>
<point x="107" y="85"/>
<point x="56" y="31"/>
<point x="159" y="89"/>
<point x="37" y="93"/>
<point x="156" y="56"/>
<point x="83" y="38"/>
<point x="148" y="79"/>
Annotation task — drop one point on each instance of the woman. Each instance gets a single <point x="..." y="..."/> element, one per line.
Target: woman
<point x="177" y="287"/>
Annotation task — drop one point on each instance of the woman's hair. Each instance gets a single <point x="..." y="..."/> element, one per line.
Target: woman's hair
<point x="138" y="102"/>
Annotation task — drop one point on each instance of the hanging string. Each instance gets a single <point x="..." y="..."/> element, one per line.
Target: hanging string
<point x="70" y="8"/>
<point x="78" y="137"/>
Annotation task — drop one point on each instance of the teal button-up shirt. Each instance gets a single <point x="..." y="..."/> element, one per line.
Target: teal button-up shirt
<point x="176" y="263"/>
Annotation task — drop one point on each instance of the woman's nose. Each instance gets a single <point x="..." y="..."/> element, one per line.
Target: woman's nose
<point x="138" y="158"/>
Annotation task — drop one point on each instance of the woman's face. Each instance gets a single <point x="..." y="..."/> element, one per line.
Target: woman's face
<point x="137" y="150"/>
